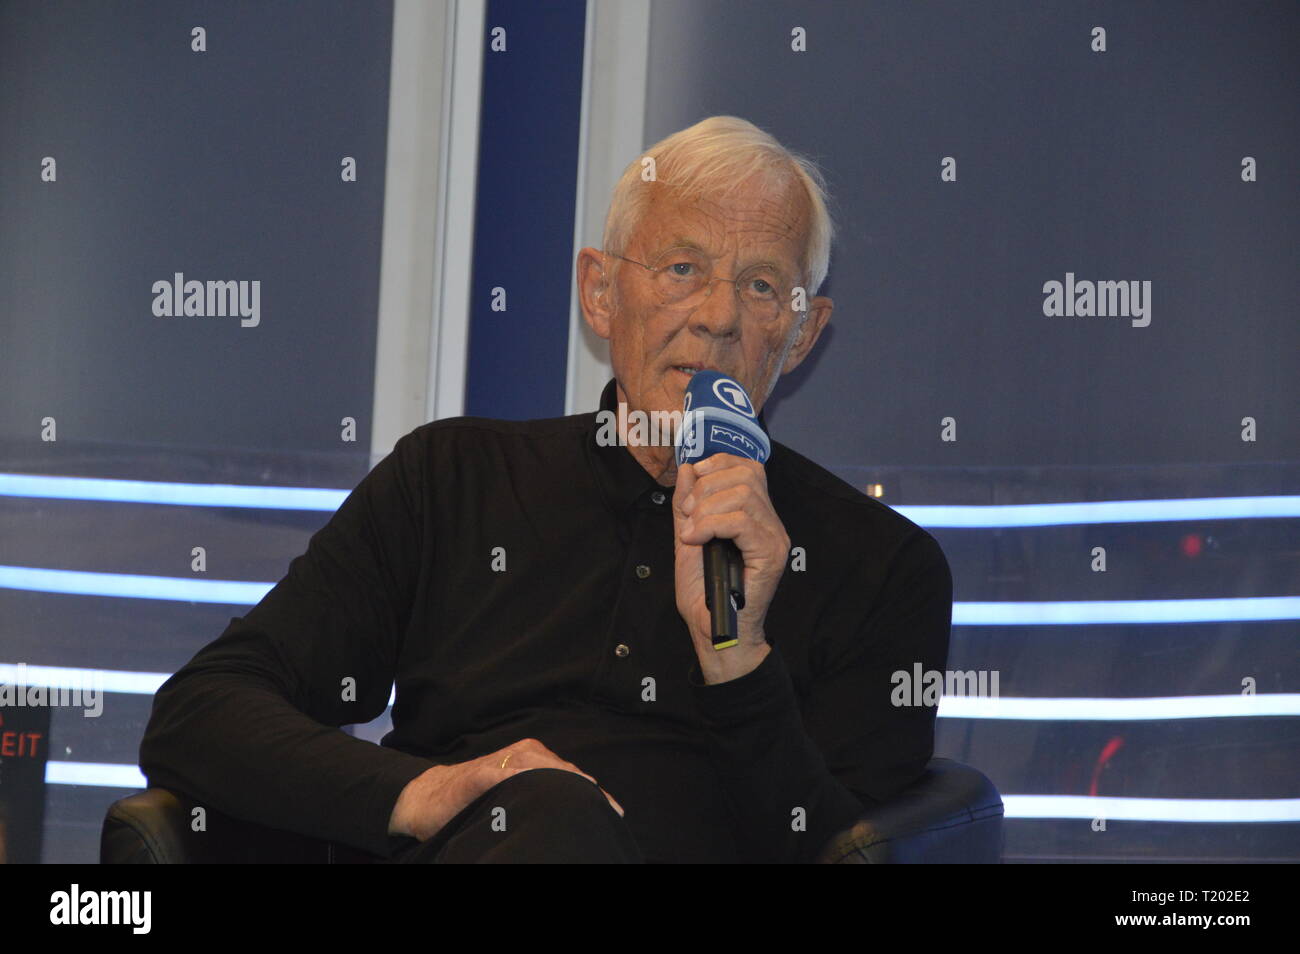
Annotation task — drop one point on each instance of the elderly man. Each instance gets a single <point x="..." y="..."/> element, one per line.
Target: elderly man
<point x="536" y="592"/>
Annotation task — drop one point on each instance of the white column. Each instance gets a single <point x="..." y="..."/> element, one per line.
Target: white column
<point x="430" y="177"/>
<point x="612" y="129"/>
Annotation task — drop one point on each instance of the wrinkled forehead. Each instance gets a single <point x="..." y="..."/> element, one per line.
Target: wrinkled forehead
<point x="755" y="220"/>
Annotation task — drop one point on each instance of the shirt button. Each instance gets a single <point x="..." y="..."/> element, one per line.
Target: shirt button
<point x="621" y="650"/>
<point x="642" y="571"/>
<point x="658" y="497"/>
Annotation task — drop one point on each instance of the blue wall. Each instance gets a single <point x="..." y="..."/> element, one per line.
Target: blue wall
<point x="523" y="238"/>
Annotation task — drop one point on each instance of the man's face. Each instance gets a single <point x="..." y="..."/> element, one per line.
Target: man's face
<point x="650" y="338"/>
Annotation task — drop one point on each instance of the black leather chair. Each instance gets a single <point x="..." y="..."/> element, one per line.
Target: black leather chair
<point x="952" y="814"/>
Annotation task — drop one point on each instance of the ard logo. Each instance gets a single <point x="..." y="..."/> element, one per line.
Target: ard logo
<point x="732" y="395"/>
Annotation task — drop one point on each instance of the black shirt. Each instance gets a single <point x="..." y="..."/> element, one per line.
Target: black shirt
<point x="515" y="579"/>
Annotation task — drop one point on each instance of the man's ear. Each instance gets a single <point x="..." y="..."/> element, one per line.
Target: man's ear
<point x="595" y="291"/>
<point x="819" y="314"/>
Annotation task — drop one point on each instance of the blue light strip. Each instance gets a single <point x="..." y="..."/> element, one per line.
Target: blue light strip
<point x="172" y="494"/>
<point x="131" y="586"/>
<point x="1102" y="511"/>
<point x="1110" y="612"/>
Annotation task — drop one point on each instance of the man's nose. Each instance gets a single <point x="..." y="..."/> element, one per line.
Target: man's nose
<point x="719" y="311"/>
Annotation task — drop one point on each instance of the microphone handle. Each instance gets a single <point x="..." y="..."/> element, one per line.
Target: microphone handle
<point x="724" y="589"/>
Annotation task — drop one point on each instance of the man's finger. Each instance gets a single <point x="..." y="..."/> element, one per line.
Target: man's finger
<point x="685" y="481"/>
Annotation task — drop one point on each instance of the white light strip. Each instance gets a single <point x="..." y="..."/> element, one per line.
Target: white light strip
<point x="1127" y="710"/>
<point x="131" y="586"/>
<point x="1103" y="612"/>
<point x="950" y="707"/>
<point x="103" y="680"/>
<point x="172" y="494"/>
<point x="106" y="774"/>
<point x="1102" y="511"/>
<point x="111" y="775"/>
<point x="1153" y="809"/>
<point x="936" y="516"/>
<point x="63" y="677"/>
<point x="1006" y="613"/>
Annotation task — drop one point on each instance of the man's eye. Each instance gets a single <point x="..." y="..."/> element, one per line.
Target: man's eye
<point x="762" y="286"/>
<point x="681" y="269"/>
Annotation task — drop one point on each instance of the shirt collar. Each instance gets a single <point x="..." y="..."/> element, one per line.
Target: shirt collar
<point x="621" y="479"/>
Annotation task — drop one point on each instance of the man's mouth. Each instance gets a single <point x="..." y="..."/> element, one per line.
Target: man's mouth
<point x="691" y="369"/>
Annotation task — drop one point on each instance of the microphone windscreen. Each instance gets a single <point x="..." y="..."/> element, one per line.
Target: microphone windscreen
<point x="718" y="417"/>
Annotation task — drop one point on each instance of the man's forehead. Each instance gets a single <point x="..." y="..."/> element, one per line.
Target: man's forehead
<point x="773" y="222"/>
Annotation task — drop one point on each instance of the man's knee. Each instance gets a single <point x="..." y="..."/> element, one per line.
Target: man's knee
<point x="545" y="815"/>
<point x="550" y="792"/>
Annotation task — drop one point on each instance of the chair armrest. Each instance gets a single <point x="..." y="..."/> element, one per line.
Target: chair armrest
<point x="951" y="814"/>
<point x="156" y="827"/>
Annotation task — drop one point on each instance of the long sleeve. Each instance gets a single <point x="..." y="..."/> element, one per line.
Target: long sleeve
<point x="251" y="724"/>
<point x="845" y="745"/>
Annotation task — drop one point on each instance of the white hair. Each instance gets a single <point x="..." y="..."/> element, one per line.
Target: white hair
<point x="714" y="157"/>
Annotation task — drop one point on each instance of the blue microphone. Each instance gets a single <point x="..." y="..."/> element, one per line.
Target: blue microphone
<point x="718" y="418"/>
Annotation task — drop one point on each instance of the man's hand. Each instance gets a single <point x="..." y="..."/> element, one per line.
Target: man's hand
<point x="437" y="796"/>
<point x="726" y="496"/>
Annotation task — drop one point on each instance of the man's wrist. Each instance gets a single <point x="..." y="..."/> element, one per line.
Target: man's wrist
<point x="732" y="663"/>
<point x="414" y="804"/>
<point x="399" y="822"/>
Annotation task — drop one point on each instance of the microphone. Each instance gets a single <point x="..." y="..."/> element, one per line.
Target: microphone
<point x="718" y="417"/>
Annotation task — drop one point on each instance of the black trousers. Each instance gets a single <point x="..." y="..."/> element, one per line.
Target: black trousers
<point x="540" y="816"/>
